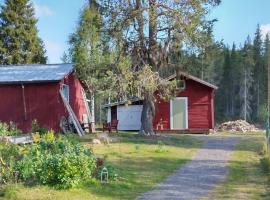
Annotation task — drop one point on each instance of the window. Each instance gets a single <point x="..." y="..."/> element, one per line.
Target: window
<point x="65" y="90"/>
<point x="180" y="84"/>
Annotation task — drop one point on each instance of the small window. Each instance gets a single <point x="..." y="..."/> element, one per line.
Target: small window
<point x="65" y="90"/>
<point x="180" y="85"/>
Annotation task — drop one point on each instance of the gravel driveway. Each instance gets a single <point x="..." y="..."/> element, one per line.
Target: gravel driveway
<point x="199" y="176"/>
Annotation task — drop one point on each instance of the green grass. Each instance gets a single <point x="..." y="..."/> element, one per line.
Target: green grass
<point x="141" y="163"/>
<point x="248" y="176"/>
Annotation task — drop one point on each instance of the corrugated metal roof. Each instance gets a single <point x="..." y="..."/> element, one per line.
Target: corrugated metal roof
<point x="33" y="73"/>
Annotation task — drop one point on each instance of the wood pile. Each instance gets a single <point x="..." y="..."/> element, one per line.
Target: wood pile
<point x="237" y="126"/>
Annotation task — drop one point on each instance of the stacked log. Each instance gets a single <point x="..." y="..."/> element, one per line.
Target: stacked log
<point x="237" y="126"/>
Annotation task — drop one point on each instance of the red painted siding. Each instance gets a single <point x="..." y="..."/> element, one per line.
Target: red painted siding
<point x="200" y="107"/>
<point x="75" y="95"/>
<point x="43" y="102"/>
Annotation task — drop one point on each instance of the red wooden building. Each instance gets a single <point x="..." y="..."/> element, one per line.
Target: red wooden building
<point x="31" y="92"/>
<point x="192" y="109"/>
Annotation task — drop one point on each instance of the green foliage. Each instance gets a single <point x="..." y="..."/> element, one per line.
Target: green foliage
<point x="161" y="148"/>
<point x="137" y="147"/>
<point x="9" y="129"/>
<point x="9" y="154"/>
<point x="37" y="129"/>
<point x="265" y="164"/>
<point x="58" y="163"/>
<point x="19" y="43"/>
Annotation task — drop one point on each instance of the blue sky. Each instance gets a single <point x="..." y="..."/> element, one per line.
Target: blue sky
<point x="236" y="20"/>
<point x="239" y="18"/>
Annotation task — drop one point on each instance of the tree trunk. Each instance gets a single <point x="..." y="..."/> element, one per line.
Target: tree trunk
<point x="148" y="113"/>
<point x="92" y="111"/>
<point x="245" y="97"/>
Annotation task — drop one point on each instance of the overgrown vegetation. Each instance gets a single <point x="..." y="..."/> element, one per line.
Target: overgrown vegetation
<point x="9" y="129"/>
<point x="58" y="162"/>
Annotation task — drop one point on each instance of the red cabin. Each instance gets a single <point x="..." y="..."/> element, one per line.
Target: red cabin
<point x="30" y="92"/>
<point x="192" y="109"/>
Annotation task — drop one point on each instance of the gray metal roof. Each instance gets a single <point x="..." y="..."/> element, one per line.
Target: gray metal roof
<point x="33" y="73"/>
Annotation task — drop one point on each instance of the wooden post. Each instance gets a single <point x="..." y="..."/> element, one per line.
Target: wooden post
<point x="24" y="103"/>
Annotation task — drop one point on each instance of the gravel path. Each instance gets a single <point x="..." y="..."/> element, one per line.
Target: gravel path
<point x="199" y="176"/>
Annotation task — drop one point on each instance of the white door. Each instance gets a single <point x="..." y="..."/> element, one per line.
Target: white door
<point x="179" y="113"/>
<point x="129" y="117"/>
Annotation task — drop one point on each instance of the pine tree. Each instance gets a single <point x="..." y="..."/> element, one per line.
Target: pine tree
<point x="19" y="41"/>
<point x="246" y="81"/>
<point x="257" y="72"/>
<point x="233" y="79"/>
<point x="264" y="78"/>
<point x="225" y="86"/>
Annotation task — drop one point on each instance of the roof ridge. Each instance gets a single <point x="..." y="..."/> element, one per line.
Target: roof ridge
<point x="37" y="64"/>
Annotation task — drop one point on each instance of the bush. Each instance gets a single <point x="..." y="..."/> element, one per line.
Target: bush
<point x="37" y="129"/>
<point x="9" y="154"/>
<point x="265" y="164"/>
<point x="58" y="163"/>
<point x="9" y="129"/>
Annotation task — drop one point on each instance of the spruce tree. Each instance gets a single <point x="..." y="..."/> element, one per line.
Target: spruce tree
<point x="264" y="78"/>
<point x="257" y="72"/>
<point x="226" y="85"/>
<point x="246" y="80"/>
<point x="19" y="41"/>
<point x="233" y="76"/>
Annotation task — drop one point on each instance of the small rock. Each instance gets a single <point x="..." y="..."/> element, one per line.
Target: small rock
<point x="96" y="141"/>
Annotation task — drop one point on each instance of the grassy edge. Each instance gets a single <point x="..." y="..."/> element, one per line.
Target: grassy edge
<point x="248" y="175"/>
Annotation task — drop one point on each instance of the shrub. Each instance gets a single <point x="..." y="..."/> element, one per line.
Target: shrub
<point x="59" y="163"/>
<point x="265" y="164"/>
<point x="37" y="129"/>
<point x="9" y="129"/>
<point x="9" y="154"/>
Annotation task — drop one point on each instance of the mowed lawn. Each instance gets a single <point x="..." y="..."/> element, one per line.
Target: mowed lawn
<point x="140" y="162"/>
<point x="248" y="176"/>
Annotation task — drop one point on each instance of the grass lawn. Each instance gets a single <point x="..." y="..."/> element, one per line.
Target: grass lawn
<point x="140" y="163"/>
<point x="247" y="178"/>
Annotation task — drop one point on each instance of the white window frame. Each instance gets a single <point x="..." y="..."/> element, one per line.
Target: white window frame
<point x="171" y="108"/>
<point x="67" y="87"/>
<point x="184" y="87"/>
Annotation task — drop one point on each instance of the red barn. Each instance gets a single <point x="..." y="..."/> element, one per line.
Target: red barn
<point x="192" y="109"/>
<point x="31" y="92"/>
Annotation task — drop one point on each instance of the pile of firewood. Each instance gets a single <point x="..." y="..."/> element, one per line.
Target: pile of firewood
<point x="238" y="125"/>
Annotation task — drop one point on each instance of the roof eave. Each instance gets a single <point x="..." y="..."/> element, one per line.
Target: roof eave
<point x="193" y="78"/>
<point x="29" y="82"/>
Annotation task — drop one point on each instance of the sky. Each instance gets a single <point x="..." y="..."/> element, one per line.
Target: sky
<point x="237" y="19"/>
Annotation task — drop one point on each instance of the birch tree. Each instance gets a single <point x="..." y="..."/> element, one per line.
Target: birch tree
<point x="87" y="51"/>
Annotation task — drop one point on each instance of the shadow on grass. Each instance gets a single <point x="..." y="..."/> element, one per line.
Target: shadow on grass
<point x="137" y="139"/>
